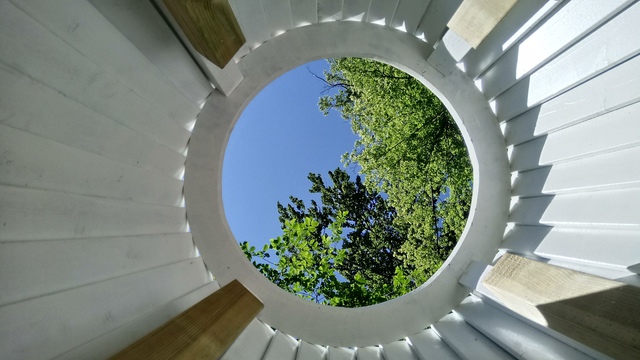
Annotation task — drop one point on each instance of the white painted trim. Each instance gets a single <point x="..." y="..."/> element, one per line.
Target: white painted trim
<point x="394" y="319"/>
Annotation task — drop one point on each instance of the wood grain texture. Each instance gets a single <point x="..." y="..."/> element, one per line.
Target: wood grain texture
<point x="204" y="331"/>
<point x="475" y="19"/>
<point x="210" y="26"/>
<point x="600" y="313"/>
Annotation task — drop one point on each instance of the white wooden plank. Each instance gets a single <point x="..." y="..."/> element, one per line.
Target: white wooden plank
<point x="467" y="342"/>
<point x="278" y="14"/>
<point x="610" y="132"/>
<point x="493" y="45"/>
<point x="308" y="351"/>
<point x="381" y="11"/>
<point x="250" y="16"/>
<point x="355" y="10"/>
<point x="434" y="22"/>
<point x="29" y="214"/>
<point x="615" y="249"/>
<point x="609" y="91"/>
<point x="282" y="347"/>
<point x="519" y="339"/>
<point x="340" y="354"/>
<point x="329" y="10"/>
<point x="66" y="121"/>
<point x="605" y="209"/>
<point x="97" y="39"/>
<point x="609" y="171"/>
<point x="566" y="26"/>
<point x="369" y="353"/>
<point x="252" y="343"/>
<point x="304" y="12"/>
<point x="68" y="263"/>
<point x="52" y="325"/>
<point x="112" y="342"/>
<point x="141" y="23"/>
<point x="398" y="350"/>
<point x="428" y="345"/>
<point x="596" y="53"/>
<point x="33" y="50"/>
<point x="408" y="15"/>
<point x="32" y="161"/>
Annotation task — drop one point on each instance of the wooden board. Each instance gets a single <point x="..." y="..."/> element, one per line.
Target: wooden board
<point x="475" y="19"/>
<point x="600" y="313"/>
<point x="210" y="26"/>
<point x="204" y="331"/>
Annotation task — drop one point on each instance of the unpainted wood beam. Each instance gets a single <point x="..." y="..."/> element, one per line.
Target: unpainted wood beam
<point x="602" y="314"/>
<point x="204" y="331"/>
<point x="475" y="19"/>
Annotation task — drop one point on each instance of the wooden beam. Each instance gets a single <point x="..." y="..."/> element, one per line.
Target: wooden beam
<point x="602" y="314"/>
<point x="204" y="331"/>
<point x="210" y="26"/>
<point x="475" y="19"/>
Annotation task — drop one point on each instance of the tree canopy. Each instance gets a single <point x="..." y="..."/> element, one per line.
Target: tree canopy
<point x="371" y="240"/>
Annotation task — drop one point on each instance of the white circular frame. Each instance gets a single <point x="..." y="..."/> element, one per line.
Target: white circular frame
<point x="394" y="319"/>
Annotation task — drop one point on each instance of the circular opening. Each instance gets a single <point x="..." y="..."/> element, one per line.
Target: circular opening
<point x="365" y="232"/>
<point x="338" y="326"/>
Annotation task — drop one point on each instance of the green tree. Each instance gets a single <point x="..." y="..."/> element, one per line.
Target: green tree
<point x="410" y="148"/>
<point x="338" y="252"/>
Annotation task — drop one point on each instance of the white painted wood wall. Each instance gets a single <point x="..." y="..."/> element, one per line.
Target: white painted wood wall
<point x="97" y="100"/>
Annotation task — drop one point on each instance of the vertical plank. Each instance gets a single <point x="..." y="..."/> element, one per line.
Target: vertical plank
<point x="204" y="331"/>
<point x="601" y="313"/>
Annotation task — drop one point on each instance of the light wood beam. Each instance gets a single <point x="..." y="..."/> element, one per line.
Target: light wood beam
<point x="475" y="19"/>
<point x="210" y="26"/>
<point x="602" y="314"/>
<point x="204" y="331"/>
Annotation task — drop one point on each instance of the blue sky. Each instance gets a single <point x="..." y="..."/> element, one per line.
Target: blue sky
<point x="280" y="137"/>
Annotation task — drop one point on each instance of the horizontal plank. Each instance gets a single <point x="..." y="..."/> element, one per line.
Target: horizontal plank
<point x="307" y="351"/>
<point x="433" y="24"/>
<point x="606" y="92"/>
<point x="340" y="354"/>
<point x="278" y="14"/>
<point x="68" y="263"/>
<point x="615" y="170"/>
<point x="304" y="12"/>
<point x="32" y="161"/>
<point x="113" y="52"/>
<point x="609" y="248"/>
<point x="519" y="339"/>
<point x="145" y="28"/>
<point x="600" y="209"/>
<point x="33" y="50"/>
<point x="427" y="344"/>
<point x="596" y="53"/>
<point x="381" y="11"/>
<point x="282" y="347"/>
<point x="115" y="340"/>
<point x="408" y="15"/>
<point x="252" y="343"/>
<point x="493" y="46"/>
<point x="467" y="342"/>
<point x="398" y="350"/>
<point x="610" y="132"/>
<point x="49" y="326"/>
<point x="565" y="27"/>
<point x="355" y="10"/>
<point x="329" y="10"/>
<point x="29" y="214"/>
<point x="369" y="353"/>
<point x="66" y="121"/>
